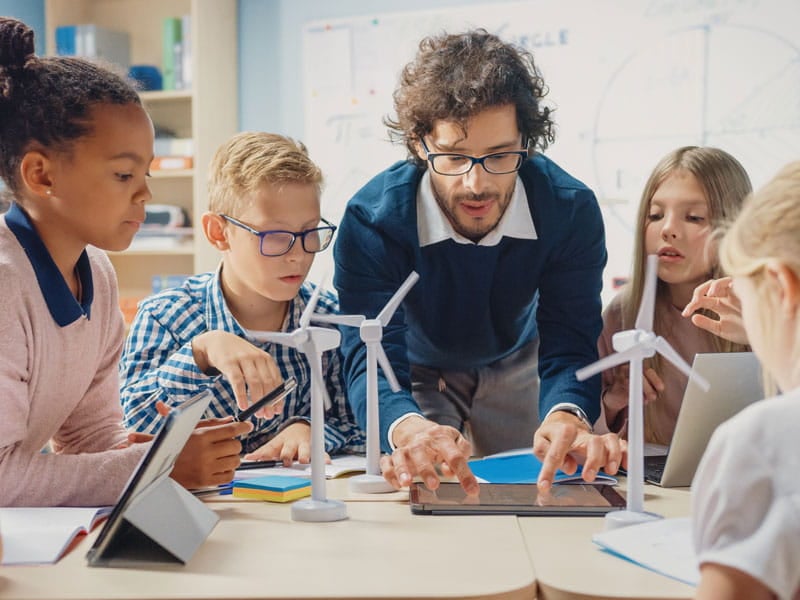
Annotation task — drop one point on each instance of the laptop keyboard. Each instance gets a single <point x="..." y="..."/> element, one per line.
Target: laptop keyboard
<point x="654" y="467"/>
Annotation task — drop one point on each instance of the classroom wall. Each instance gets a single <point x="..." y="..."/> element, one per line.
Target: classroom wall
<point x="270" y="53"/>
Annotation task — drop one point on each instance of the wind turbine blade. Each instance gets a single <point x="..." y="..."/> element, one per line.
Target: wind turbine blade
<point x="386" y="367"/>
<point x="644" y="319"/>
<point x="612" y="360"/>
<point x="348" y="320"/>
<point x="386" y="314"/>
<point x="664" y="349"/>
<point x="305" y="318"/>
<point x="278" y="337"/>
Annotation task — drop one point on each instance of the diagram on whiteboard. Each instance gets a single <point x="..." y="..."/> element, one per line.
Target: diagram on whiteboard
<point x="729" y="99"/>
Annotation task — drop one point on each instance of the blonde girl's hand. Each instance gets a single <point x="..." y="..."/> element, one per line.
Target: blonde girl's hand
<point x="615" y="398"/>
<point x="652" y="385"/>
<point x="718" y="296"/>
<point x="293" y="443"/>
<point x="248" y="369"/>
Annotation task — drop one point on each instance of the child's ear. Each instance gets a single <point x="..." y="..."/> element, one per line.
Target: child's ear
<point x="787" y="284"/>
<point x="215" y="231"/>
<point x="36" y="173"/>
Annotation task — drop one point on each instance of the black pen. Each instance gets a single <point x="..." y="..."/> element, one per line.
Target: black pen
<point x="273" y="397"/>
<point x="258" y="464"/>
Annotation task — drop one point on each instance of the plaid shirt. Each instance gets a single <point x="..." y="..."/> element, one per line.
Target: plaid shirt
<point x="158" y="364"/>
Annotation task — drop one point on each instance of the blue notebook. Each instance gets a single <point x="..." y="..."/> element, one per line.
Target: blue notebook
<point x="273" y="483"/>
<point x="523" y="467"/>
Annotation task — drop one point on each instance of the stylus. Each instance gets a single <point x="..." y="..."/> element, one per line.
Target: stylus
<point x="272" y="398"/>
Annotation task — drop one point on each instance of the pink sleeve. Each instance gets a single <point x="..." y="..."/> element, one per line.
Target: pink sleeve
<point x="614" y="389"/>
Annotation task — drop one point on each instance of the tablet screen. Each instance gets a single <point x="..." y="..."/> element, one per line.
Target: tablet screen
<point x="579" y="499"/>
<point x="156" y="464"/>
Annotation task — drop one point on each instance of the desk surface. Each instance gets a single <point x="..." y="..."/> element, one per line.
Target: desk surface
<point x="257" y="551"/>
<point x="570" y="566"/>
<point x="381" y="551"/>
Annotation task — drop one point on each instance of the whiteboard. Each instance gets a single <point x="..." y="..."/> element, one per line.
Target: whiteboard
<point x="629" y="80"/>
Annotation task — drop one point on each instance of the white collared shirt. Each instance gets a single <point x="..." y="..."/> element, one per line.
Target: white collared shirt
<point x="433" y="226"/>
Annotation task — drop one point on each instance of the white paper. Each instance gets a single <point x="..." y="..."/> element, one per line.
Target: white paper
<point x="41" y="535"/>
<point x="339" y="466"/>
<point x="664" y="546"/>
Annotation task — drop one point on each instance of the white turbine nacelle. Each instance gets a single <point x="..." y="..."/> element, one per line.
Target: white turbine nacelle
<point x="625" y="340"/>
<point x="371" y="331"/>
<point x="325" y="338"/>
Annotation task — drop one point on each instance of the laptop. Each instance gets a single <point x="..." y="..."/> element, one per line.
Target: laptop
<point x="735" y="379"/>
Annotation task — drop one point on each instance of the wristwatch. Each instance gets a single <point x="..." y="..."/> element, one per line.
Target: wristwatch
<point x="575" y="410"/>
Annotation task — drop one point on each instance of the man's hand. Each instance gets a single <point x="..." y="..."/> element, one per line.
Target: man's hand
<point x="717" y="296"/>
<point x="421" y="445"/>
<point x="248" y="369"/>
<point x="563" y="442"/>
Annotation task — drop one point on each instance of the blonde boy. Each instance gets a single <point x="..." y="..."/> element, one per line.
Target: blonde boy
<point x="264" y="218"/>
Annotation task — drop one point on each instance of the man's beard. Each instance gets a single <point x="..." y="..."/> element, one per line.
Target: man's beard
<point x="479" y="229"/>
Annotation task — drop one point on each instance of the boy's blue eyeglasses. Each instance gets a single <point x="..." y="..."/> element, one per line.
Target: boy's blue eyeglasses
<point x="450" y="163"/>
<point x="277" y="242"/>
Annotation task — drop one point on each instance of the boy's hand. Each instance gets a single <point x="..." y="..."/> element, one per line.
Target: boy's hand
<point x="246" y="367"/>
<point x="292" y="443"/>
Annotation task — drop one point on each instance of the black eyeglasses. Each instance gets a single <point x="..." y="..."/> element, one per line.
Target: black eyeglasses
<point x="498" y="163"/>
<point x="277" y="242"/>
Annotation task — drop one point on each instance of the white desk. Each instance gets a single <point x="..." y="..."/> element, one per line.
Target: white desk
<point x="381" y="551"/>
<point x="257" y="551"/>
<point x="570" y="566"/>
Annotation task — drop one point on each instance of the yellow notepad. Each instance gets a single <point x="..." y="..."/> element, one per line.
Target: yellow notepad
<point x="272" y="488"/>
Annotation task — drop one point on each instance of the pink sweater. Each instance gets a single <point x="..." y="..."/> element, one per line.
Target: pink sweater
<point x="59" y="385"/>
<point x="687" y="340"/>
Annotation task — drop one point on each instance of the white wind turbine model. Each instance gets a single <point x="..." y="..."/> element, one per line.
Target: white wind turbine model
<point x="313" y="341"/>
<point x="371" y="330"/>
<point x="633" y="346"/>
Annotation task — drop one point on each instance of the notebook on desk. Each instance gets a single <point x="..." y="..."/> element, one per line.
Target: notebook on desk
<point x="735" y="379"/>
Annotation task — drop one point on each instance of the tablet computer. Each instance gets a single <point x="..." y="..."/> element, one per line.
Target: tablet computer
<point x="524" y="499"/>
<point x="154" y="467"/>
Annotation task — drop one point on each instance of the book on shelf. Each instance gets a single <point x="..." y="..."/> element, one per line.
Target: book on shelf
<point x="522" y="466"/>
<point x="176" y="53"/>
<point x="37" y="536"/>
<point x="167" y="145"/>
<point x="95" y="43"/>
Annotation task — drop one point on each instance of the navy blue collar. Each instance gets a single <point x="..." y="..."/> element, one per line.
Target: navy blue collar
<point x="62" y="304"/>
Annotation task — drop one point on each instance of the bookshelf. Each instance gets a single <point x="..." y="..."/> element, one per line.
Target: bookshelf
<point x="207" y="113"/>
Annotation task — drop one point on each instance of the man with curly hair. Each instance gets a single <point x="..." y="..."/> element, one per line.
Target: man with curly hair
<point x="510" y="250"/>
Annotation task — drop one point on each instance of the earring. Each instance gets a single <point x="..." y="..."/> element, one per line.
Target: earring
<point x="49" y="192"/>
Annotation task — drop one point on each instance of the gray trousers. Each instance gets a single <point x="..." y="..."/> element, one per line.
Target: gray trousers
<point x="496" y="407"/>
